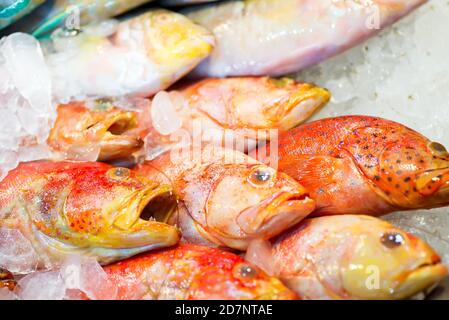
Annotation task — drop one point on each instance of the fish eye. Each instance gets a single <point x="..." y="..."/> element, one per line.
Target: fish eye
<point x="261" y="176"/>
<point x="119" y="173"/>
<point x="245" y="271"/>
<point x="438" y="148"/>
<point x="392" y="240"/>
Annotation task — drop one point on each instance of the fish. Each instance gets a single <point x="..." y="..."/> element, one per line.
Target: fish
<point x="191" y="272"/>
<point x="243" y="110"/>
<point x="88" y="208"/>
<point x="272" y="37"/>
<point x="363" y="165"/>
<point x="225" y="198"/>
<point x="350" y="257"/>
<point x="98" y="130"/>
<point x="72" y="14"/>
<point x="7" y="279"/>
<point x="138" y="56"/>
<point x="13" y="10"/>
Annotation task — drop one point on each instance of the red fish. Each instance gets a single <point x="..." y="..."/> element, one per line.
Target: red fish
<point x="102" y="132"/>
<point x="364" y="165"/>
<point x="227" y="198"/>
<point x="88" y="208"/>
<point x="190" y="272"/>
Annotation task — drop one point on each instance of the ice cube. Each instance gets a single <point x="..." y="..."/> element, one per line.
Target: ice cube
<point x="26" y="107"/>
<point x="47" y="285"/>
<point x="164" y="116"/>
<point x="87" y="276"/>
<point x="16" y="252"/>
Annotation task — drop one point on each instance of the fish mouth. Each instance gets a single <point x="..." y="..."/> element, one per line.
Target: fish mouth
<point x="131" y="228"/>
<point x="420" y="279"/>
<point x="119" y="137"/>
<point x="302" y="105"/>
<point x="434" y="183"/>
<point x="276" y="214"/>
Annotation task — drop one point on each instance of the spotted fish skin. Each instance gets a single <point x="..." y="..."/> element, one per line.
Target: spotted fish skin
<point x="364" y="165"/>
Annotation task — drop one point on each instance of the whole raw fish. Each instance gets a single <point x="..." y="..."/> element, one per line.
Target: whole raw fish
<point x="350" y="257"/>
<point x="97" y="130"/>
<point x="6" y="279"/>
<point x="224" y="111"/>
<point x="13" y="10"/>
<point x="190" y="272"/>
<point x="138" y="56"/>
<point x="272" y="37"/>
<point x="74" y="14"/>
<point x="87" y="208"/>
<point x="364" y="165"/>
<point x="227" y="198"/>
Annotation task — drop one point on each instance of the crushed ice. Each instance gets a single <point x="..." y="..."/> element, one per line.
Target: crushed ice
<point x="17" y="255"/>
<point x="26" y="106"/>
<point x="78" y="278"/>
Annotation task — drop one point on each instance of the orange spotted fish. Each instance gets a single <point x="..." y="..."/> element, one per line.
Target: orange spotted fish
<point x="364" y="165"/>
<point x="190" y="272"/>
<point x="88" y="208"/>
<point x="350" y="257"/>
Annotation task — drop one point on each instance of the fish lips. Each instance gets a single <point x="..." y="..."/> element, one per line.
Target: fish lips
<point x="435" y="185"/>
<point x="119" y="146"/>
<point x="302" y="105"/>
<point x="130" y="231"/>
<point x="420" y="279"/>
<point x="275" y="214"/>
<point x="118" y="136"/>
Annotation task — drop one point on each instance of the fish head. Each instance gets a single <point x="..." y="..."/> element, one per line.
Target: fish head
<point x="250" y="201"/>
<point x="285" y="102"/>
<point x="383" y="262"/>
<point x="233" y="279"/>
<point x="418" y="173"/>
<point x="248" y="104"/>
<point x="100" y="209"/>
<point x="405" y="168"/>
<point x="173" y="43"/>
<point x="113" y="130"/>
